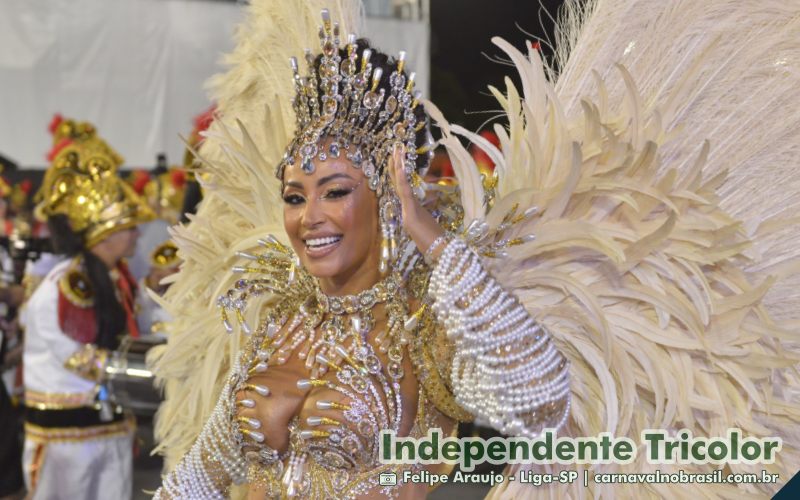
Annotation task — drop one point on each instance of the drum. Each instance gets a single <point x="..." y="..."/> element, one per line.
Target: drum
<point x="130" y="381"/>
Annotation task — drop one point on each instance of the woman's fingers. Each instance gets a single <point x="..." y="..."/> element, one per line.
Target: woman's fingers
<point x="247" y="417"/>
<point x="400" y="179"/>
<point x="417" y="221"/>
<point x="247" y="400"/>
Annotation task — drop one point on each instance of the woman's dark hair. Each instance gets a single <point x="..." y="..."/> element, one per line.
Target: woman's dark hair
<point x="388" y="65"/>
<point x="108" y="312"/>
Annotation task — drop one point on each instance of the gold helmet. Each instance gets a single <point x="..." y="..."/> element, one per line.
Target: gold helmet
<point x="82" y="184"/>
<point x="66" y="131"/>
<point x="164" y="193"/>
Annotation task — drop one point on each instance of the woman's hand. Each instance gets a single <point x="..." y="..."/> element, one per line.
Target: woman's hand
<point x="417" y="220"/>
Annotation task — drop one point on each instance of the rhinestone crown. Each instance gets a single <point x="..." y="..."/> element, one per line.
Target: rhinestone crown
<point x="341" y="100"/>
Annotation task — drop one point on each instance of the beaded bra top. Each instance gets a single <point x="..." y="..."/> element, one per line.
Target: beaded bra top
<point x="331" y="335"/>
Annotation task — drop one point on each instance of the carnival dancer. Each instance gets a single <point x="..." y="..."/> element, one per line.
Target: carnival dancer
<point x="78" y="442"/>
<point x="171" y="193"/>
<point x="348" y="342"/>
<point x="640" y="274"/>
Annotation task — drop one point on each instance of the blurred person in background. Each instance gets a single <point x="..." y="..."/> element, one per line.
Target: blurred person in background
<point x="78" y="442"/>
<point x="162" y="188"/>
<point x="21" y="243"/>
<point x="11" y="296"/>
<point x="172" y="193"/>
<point x="164" y="261"/>
<point x="11" y="482"/>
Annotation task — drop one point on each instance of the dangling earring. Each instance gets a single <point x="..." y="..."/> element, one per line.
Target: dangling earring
<point x="386" y="256"/>
<point x="388" y="215"/>
<point x="383" y="266"/>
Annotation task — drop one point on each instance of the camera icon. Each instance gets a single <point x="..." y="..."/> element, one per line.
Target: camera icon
<point x="387" y="479"/>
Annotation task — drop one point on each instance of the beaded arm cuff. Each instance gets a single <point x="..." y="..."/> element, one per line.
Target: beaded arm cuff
<point x="212" y="464"/>
<point x="506" y="370"/>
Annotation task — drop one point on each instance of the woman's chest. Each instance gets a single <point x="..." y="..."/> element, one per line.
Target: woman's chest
<point x="276" y="398"/>
<point x="309" y="380"/>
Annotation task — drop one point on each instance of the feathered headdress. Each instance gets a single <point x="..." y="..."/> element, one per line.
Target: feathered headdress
<point x="247" y="139"/>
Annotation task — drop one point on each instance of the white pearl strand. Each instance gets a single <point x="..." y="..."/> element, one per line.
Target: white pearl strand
<point x="214" y="449"/>
<point x="496" y="375"/>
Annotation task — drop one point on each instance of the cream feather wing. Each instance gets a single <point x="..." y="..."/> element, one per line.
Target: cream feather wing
<point x="723" y="70"/>
<point x="647" y="160"/>
<point x="253" y="126"/>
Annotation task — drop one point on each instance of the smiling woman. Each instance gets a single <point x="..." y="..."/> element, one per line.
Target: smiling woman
<point x="404" y="307"/>
<point x="331" y="218"/>
<point x="353" y="340"/>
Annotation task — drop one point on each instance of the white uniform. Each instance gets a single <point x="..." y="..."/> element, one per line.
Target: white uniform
<point x="92" y="461"/>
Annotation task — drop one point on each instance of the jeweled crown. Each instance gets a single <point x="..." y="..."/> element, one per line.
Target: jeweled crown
<point x="340" y="100"/>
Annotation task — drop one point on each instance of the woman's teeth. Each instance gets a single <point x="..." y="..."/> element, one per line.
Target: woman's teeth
<point x="321" y="242"/>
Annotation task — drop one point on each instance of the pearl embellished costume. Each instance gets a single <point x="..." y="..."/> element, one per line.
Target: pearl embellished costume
<point x="499" y="349"/>
<point x="629" y="265"/>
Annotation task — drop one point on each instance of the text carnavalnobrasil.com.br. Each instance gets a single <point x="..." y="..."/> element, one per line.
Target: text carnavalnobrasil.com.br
<point x="573" y="477"/>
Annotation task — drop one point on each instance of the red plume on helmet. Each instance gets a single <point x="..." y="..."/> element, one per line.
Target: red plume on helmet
<point x="203" y="120"/>
<point x="54" y="123"/>
<point x="51" y="155"/>
<point x="140" y="180"/>
<point x="178" y="178"/>
<point x="201" y="123"/>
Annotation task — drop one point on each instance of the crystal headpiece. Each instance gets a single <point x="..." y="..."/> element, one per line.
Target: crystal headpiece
<point x="341" y="100"/>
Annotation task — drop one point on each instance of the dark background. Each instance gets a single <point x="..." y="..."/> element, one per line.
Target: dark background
<point x="461" y="33"/>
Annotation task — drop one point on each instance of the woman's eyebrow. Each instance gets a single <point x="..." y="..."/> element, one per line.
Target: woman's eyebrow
<point x="322" y="181"/>
<point x="331" y="177"/>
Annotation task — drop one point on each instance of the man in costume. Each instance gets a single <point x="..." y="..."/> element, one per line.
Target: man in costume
<point x="164" y="261"/>
<point x="171" y="193"/>
<point x="657" y="282"/>
<point x="78" y="442"/>
<point x="163" y="190"/>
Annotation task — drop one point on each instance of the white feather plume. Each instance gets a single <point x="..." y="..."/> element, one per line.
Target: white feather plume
<point x="244" y="144"/>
